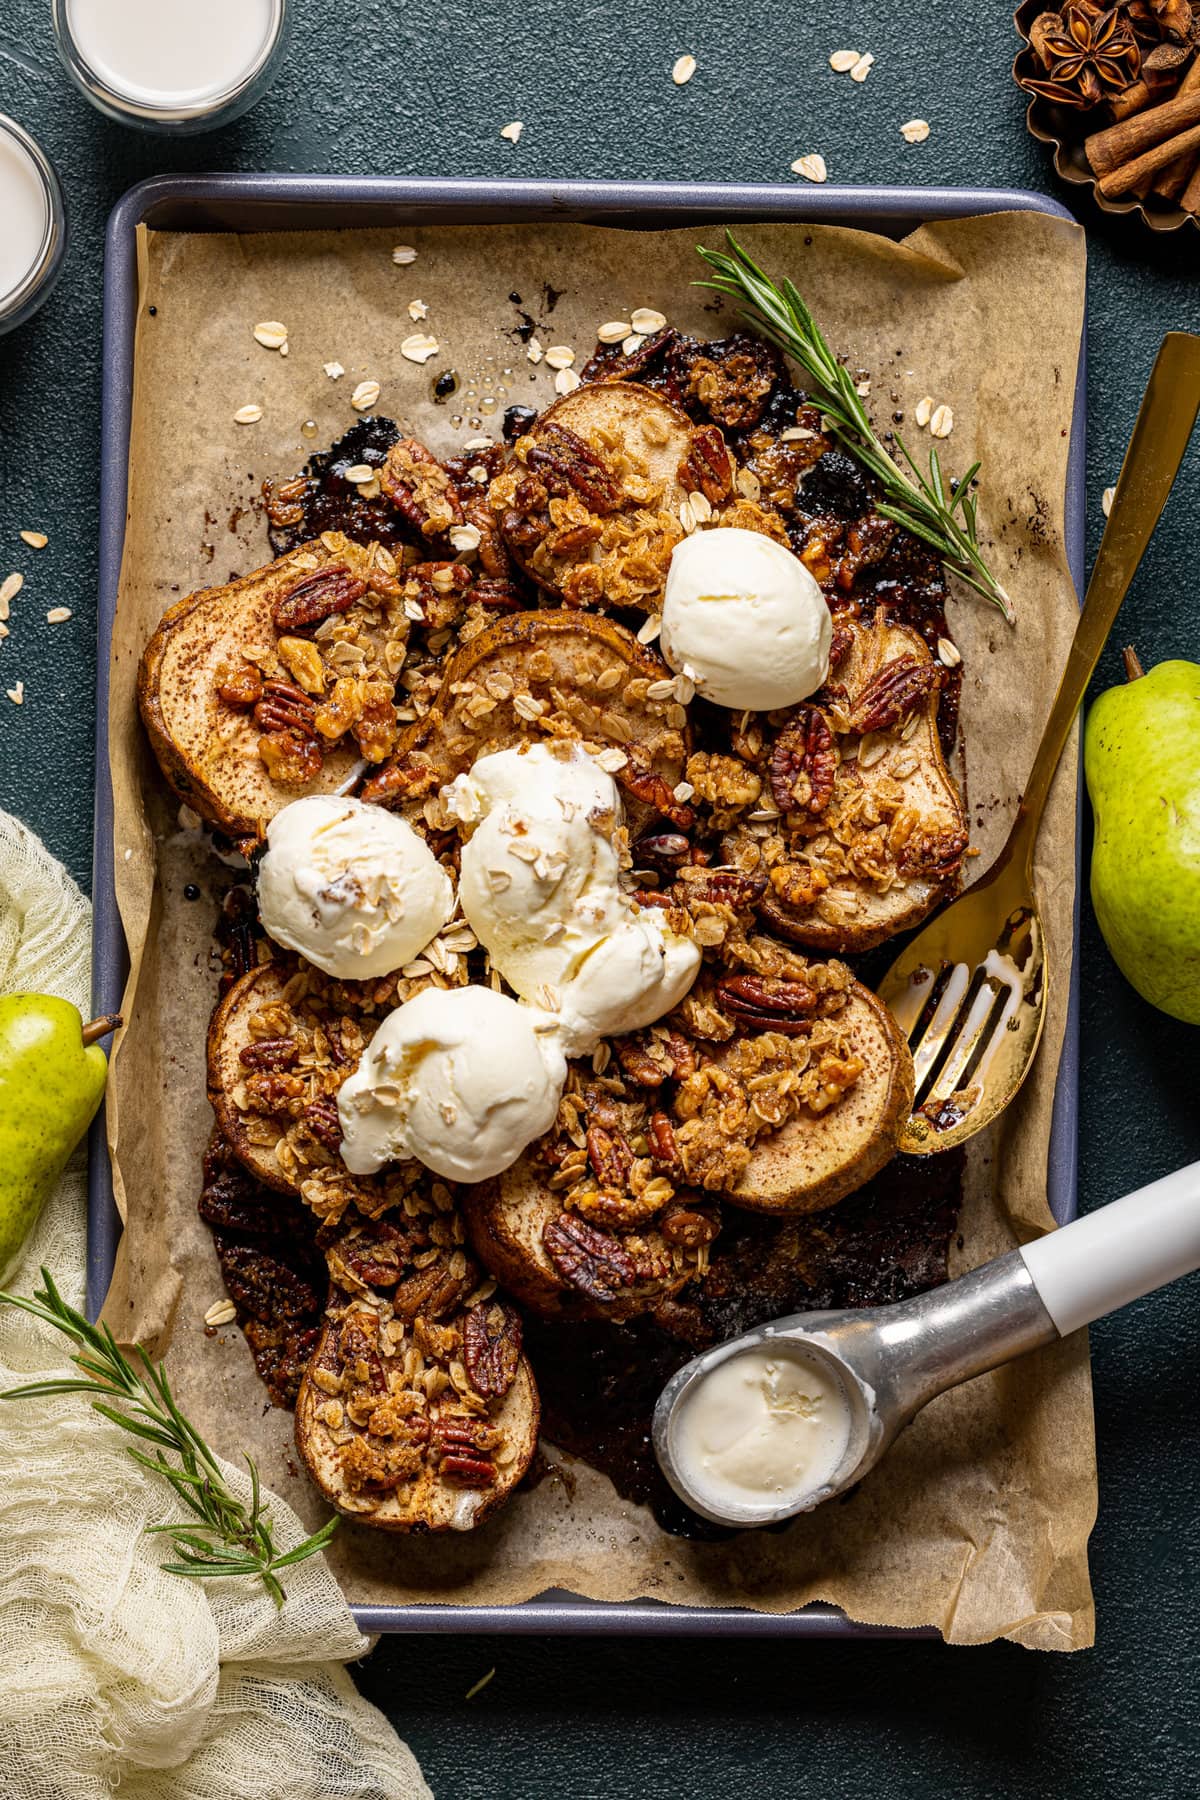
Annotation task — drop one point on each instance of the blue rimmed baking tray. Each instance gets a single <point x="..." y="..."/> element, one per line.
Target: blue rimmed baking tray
<point x="314" y="202"/>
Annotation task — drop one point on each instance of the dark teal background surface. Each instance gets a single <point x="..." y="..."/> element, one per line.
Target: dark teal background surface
<point x="422" y="89"/>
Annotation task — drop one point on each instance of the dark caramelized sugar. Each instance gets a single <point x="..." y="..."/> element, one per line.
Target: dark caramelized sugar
<point x="329" y="502"/>
<point x="599" y="1383"/>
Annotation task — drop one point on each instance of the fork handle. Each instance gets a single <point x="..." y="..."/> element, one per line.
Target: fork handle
<point x="1119" y="1252"/>
<point x="1156" y="449"/>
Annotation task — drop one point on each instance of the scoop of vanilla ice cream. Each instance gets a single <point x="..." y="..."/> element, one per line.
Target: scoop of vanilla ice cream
<point x="540" y="887"/>
<point x="350" y="886"/>
<point x="461" y="1079"/>
<point x="745" y="620"/>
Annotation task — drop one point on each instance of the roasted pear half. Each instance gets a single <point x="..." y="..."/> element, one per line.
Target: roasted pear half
<point x="418" y="1411"/>
<point x="874" y="824"/>
<point x="240" y="687"/>
<point x="280" y="1044"/>
<point x="604" y="484"/>
<point x="817" y="1158"/>
<point x="547" y="675"/>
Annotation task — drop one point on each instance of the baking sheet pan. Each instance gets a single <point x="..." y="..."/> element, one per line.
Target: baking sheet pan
<point x="300" y="202"/>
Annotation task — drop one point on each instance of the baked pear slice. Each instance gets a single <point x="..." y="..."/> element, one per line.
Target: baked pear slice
<point x="601" y="488"/>
<point x="280" y="1044"/>
<point x="878" y="836"/>
<point x="240" y="691"/>
<point x="550" y="674"/>
<point x="418" y="1411"/>
<point x="816" y="1159"/>
<point x="561" y="1264"/>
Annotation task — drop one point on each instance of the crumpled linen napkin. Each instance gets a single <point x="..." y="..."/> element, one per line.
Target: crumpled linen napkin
<point x="114" y="1675"/>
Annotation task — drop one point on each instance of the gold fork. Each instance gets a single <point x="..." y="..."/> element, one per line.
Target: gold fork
<point x="970" y="989"/>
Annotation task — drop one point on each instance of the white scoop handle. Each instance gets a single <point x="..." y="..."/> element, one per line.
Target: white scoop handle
<point x="1119" y="1252"/>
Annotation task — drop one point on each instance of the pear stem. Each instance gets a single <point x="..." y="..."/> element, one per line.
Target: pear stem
<point x="1133" y="666"/>
<point x="98" y="1028"/>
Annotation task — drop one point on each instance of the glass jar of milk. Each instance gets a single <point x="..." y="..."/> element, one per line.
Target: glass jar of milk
<point x="171" y="65"/>
<point x="34" y="234"/>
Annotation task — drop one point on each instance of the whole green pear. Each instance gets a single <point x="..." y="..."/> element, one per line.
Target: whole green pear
<point x="1142" y="760"/>
<point x="51" y="1083"/>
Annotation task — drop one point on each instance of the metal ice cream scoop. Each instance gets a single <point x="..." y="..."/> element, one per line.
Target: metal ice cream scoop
<point x="890" y="1361"/>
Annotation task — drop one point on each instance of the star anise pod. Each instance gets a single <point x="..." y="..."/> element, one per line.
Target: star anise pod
<point x="1089" y="54"/>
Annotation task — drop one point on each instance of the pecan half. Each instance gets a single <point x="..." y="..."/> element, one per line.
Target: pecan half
<point x="707" y="465"/>
<point x="804" y="764"/>
<point x="842" y="641"/>
<point x="934" y="854"/>
<point x="667" y="847"/>
<point x="899" y="688"/>
<point x="652" y="789"/>
<point x="359" y="1352"/>
<point x="567" y="465"/>
<point x="317" y="596"/>
<point x="460" y="1446"/>
<point x="688" y="1226"/>
<point x="610" y="1156"/>
<point x="664" y="1152"/>
<point x="240" y="689"/>
<point x="649" y="1061"/>
<point x="498" y="595"/>
<point x="769" y="1003"/>
<point x="720" y="887"/>
<point x="285" y="707"/>
<point x="321" y="1118"/>
<point x="270" y="1053"/>
<point x="492" y="1347"/>
<point x="420" y="489"/>
<point x="588" y="1259"/>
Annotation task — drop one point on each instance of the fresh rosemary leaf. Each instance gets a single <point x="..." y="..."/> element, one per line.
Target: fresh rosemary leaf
<point x="231" y="1538"/>
<point x="942" y="515"/>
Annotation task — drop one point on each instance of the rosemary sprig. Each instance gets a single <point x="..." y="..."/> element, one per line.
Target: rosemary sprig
<point x="940" y="512"/>
<point x="229" y="1537"/>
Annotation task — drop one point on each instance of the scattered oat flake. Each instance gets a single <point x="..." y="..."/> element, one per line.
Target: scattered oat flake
<point x="560" y="356"/>
<point x="10" y="587"/>
<point x="942" y="422"/>
<point x="842" y="61"/>
<point x="915" y="131"/>
<point x="862" y="67"/>
<point x="248" y="415"/>
<point x="633" y="342"/>
<point x="513" y="132"/>
<point x="534" y="351"/>
<point x="862" y="389"/>
<point x="924" y="410"/>
<point x="17" y="694"/>
<point x="404" y="254"/>
<point x="271" y="334"/>
<point x="812" y="167"/>
<point x="948" y="654"/>
<point x="417" y="310"/>
<point x="566" y="381"/>
<point x="58" y="615"/>
<point x="683" y="70"/>
<point x="1106" y="500"/>
<point x="479" y="443"/>
<point x="334" y="370"/>
<point x="465" y="537"/>
<point x="365" y="394"/>
<point x="613" y="332"/>
<point x="419" y="348"/>
<point x="479" y="1685"/>
<point x="359" y="473"/>
<point x="221" y="1312"/>
<point x="649" y="629"/>
<point x="37" y="540"/>
<point x="647" y="321"/>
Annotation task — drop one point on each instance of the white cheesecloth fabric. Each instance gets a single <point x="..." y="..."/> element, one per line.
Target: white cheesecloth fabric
<point x="113" y="1675"/>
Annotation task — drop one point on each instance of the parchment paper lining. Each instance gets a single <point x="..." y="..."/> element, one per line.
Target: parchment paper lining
<point x="978" y="1520"/>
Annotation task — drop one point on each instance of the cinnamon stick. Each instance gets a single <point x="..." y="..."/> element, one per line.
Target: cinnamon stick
<point x="1172" y="180"/>
<point x="1124" y="179"/>
<point x="1190" y="197"/>
<point x="1114" y="147"/>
